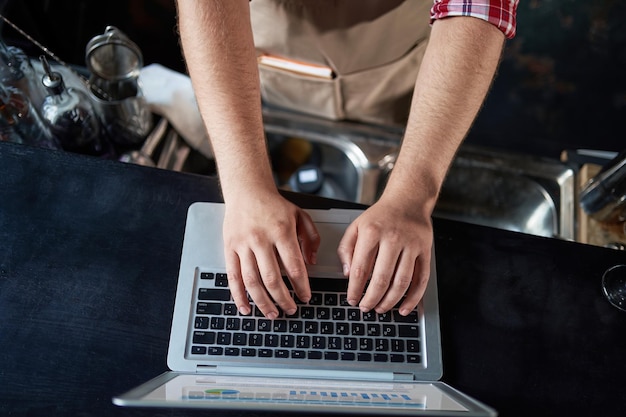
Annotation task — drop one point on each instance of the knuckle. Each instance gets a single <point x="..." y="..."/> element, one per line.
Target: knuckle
<point x="297" y="272"/>
<point x="403" y="281"/>
<point x="380" y="282"/>
<point x="250" y="281"/>
<point x="272" y="280"/>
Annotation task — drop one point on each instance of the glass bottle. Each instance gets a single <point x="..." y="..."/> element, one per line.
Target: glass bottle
<point x="70" y="115"/>
<point x="17" y="71"/>
<point x="20" y="115"/>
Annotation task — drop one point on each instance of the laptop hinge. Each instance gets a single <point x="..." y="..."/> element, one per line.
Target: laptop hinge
<point x="399" y="376"/>
<point x="206" y="369"/>
<point x="295" y="373"/>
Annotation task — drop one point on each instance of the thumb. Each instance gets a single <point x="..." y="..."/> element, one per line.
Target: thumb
<point x="308" y="236"/>
<point x="346" y="248"/>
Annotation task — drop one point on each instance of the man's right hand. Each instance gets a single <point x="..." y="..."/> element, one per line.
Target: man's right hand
<point x="262" y="235"/>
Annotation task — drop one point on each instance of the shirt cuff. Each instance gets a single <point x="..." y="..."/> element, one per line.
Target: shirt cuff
<point x="500" y="13"/>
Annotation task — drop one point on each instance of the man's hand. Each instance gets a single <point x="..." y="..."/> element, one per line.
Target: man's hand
<point x="391" y="243"/>
<point x="262" y="235"/>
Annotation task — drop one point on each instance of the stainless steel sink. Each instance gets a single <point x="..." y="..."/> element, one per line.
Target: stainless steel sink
<point x="484" y="186"/>
<point x="510" y="191"/>
<point x="489" y="187"/>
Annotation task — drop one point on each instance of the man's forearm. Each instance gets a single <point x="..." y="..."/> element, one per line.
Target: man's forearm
<point x="455" y="75"/>
<point x="217" y="42"/>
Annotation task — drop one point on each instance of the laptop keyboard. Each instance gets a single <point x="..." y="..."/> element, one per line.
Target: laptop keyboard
<point x="327" y="327"/>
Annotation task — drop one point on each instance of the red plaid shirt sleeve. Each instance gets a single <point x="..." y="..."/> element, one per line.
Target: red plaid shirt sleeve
<point x="501" y="13"/>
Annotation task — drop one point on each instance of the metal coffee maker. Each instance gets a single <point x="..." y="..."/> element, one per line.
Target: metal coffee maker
<point x="114" y="63"/>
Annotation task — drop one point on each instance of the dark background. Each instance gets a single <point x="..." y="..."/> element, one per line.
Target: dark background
<point x="561" y="84"/>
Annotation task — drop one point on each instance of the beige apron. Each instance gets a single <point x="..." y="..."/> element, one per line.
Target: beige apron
<point x="374" y="48"/>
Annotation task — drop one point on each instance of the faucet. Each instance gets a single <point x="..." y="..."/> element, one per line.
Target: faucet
<point x="604" y="196"/>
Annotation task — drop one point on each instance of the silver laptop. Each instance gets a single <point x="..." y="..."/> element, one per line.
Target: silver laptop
<point x="328" y="357"/>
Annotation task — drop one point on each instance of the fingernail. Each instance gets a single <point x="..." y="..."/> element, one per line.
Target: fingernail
<point x="346" y="269"/>
<point x="405" y="311"/>
<point x="314" y="258"/>
<point x="272" y="315"/>
<point x="244" y="310"/>
<point x="291" y="311"/>
<point x="364" y="309"/>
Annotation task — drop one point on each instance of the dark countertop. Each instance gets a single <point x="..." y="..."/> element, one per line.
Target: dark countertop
<point x="89" y="253"/>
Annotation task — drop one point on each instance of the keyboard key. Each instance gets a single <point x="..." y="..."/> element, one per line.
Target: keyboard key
<point x="271" y="340"/>
<point x="311" y="327"/>
<point x="280" y="326"/>
<point x="209" y="308"/>
<point x="248" y="325"/>
<point x="231" y="351"/>
<point x="397" y="345"/>
<point x="330" y="299"/>
<point x="358" y="329"/>
<point x="240" y="339"/>
<point x="204" y="338"/>
<point x="255" y="339"/>
<point x="413" y="359"/>
<point x="381" y="357"/>
<point x="216" y="350"/>
<point x="233" y="323"/>
<point x="307" y="312"/>
<point x="287" y="340"/>
<point x="296" y="326"/>
<point x="408" y="330"/>
<point x="198" y="350"/>
<point x="369" y="316"/>
<point x="265" y="353"/>
<point x="350" y="343"/>
<point x="221" y="280"/>
<point x="303" y="342"/>
<point x="389" y="330"/>
<point x="412" y="346"/>
<point x="382" y="345"/>
<point x="334" y="343"/>
<point x="213" y="294"/>
<point x="354" y="314"/>
<point x="338" y="314"/>
<point x="264" y="325"/>
<point x="366" y="344"/>
<point x="411" y="318"/>
<point x="397" y="358"/>
<point x="327" y="327"/>
<point x="343" y="301"/>
<point x="223" y="338"/>
<point x="343" y="329"/>
<point x="323" y="313"/>
<point x="217" y="323"/>
<point x="364" y="357"/>
<point x="314" y="354"/>
<point x="318" y="342"/>
<point x="201" y="323"/>
<point x="281" y="353"/>
<point x="384" y="317"/>
<point x="230" y="309"/>
<point x="248" y="352"/>
<point x="207" y="275"/>
<point x="348" y="356"/>
<point x="298" y="354"/>
<point x="316" y="299"/>
<point x="331" y="356"/>
<point x="374" y="330"/>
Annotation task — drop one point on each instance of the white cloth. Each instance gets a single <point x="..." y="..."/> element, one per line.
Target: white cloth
<point x="170" y="95"/>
